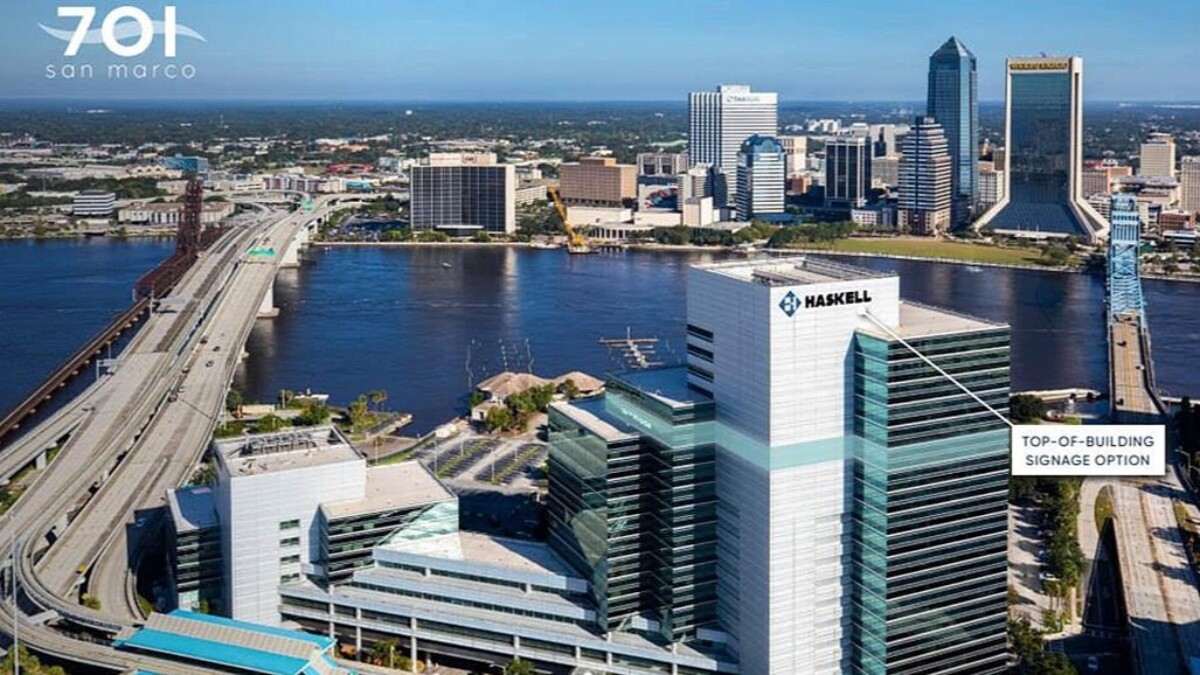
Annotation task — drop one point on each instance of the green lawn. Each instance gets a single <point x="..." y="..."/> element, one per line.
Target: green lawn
<point x="932" y="248"/>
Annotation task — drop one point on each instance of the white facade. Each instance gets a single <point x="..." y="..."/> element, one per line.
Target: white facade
<point x="795" y="148"/>
<point x="1189" y="184"/>
<point x="267" y="503"/>
<point x="991" y="184"/>
<point x="94" y="203"/>
<point x="1157" y="156"/>
<point x="782" y="376"/>
<point x="719" y="121"/>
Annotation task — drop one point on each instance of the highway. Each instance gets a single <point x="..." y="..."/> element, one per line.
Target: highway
<point x="128" y="443"/>
<point x="1130" y="387"/>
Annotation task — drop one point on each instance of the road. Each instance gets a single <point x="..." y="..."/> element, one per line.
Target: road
<point x="130" y="443"/>
<point x="1131" y="392"/>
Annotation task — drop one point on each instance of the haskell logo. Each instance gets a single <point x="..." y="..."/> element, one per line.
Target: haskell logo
<point x="789" y="304"/>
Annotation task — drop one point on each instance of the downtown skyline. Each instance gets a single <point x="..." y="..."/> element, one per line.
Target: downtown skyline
<point x="460" y="52"/>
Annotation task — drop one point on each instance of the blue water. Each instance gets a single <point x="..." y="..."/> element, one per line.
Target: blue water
<point x="356" y="319"/>
<point x="55" y="295"/>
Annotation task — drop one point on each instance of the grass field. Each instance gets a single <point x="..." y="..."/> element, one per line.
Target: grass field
<point x="930" y="248"/>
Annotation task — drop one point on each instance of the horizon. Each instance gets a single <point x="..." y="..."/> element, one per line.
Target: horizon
<point x="463" y="51"/>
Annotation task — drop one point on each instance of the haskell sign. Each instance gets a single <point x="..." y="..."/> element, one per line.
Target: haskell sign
<point x="791" y="303"/>
<point x="1039" y="65"/>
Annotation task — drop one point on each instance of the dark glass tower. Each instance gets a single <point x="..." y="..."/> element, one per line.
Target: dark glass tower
<point x="954" y="102"/>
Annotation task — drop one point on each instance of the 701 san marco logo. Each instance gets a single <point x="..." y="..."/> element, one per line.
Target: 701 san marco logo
<point x="127" y="33"/>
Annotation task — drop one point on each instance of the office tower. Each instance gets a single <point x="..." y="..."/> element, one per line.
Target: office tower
<point x="719" y="122"/>
<point x="925" y="179"/>
<point x="463" y="195"/>
<point x="1043" y="142"/>
<point x="883" y="136"/>
<point x="761" y="175"/>
<point x="94" y="204"/>
<point x="796" y="150"/>
<point x="847" y="171"/>
<point x="1157" y="156"/>
<point x="597" y="181"/>
<point x="885" y="171"/>
<point x="295" y="506"/>
<point x="661" y="164"/>
<point x="1101" y="177"/>
<point x="953" y="101"/>
<point x="1189" y="184"/>
<point x="991" y="184"/>
<point x="849" y="472"/>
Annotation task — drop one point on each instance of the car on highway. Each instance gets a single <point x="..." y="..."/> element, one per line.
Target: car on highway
<point x="1093" y="664"/>
<point x="208" y="364"/>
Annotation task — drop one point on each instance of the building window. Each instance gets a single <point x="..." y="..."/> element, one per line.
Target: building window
<point x="289" y="560"/>
<point x="289" y="525"/>
<point x="289" y="542"/>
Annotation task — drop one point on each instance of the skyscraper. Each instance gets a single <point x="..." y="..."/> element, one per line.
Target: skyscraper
<point x="719" y="121"/>
<point x="925" y="179"/>
<point x="462" y="195"/>
<point x="1189" y="184"/>
<point x="1043" y="158"/>
<point x="1157" y="156"/>
<point x="953" y="101"/>
<point x="847" y="171"/>
<point x="761" y="174"/>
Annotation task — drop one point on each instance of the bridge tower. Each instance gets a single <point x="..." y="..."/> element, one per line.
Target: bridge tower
<point x="1124" y="273"/>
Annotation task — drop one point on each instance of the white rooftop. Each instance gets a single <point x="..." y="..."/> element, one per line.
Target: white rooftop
<point x="285" y="451"/>
<point x="483" y="549"/>
<point x="791" y="271"/>
<point x="392" y="487"/>
<point x="192" y="508"/>
<point x="918" y="320"/>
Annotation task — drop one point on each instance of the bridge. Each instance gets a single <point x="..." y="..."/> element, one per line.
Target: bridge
<point x="1159" y="584"/>
<point x="132" y="434"/>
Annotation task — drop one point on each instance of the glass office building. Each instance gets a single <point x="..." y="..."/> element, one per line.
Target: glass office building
<point x="953" y="100"/>
<point x="929" y="553"/>
<point x="1043" y="158"/>
<point x="632" y="502"/>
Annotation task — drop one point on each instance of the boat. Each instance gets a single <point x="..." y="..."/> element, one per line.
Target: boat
<point x="446" y="265"/>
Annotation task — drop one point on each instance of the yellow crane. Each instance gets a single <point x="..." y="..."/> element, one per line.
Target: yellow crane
<point x="577" y="241"/>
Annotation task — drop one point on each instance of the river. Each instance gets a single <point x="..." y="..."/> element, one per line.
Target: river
<point x="363" y="318"/>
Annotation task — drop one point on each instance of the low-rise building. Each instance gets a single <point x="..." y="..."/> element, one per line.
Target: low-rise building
<point x="94" y="203"/>
<point x="170" y="213"/>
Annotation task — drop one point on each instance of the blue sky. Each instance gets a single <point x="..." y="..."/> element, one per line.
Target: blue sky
<point x="612" y="49"/>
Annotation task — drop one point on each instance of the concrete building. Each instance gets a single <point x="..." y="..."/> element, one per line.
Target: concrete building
<point x="1157" y="156"/>
<point x="170" y="213"/>
<point x="760" y="180"/>
<point x="885" y="171"/>
<point x="926" y="188"/>
<point x="719" y="122"/>
<point x="884" y="139"/>
<point x="1044" y="142"/>
<point x="847" y="171"/>
<point x="813" y="446"/>
<point x="953" y="101"/>
<point x="1189" y="184"/>
<point x="298" y="506"/>
<point x="462" y="196"/>
<point x="991" y="185"/>
<point x="668" y="164"/>
<point x="699" y="212"/>
<point x="795" y="148"/>
<point x="1101" y="177"/>
<point x="597" y="181"/>
<point x="94" y="204"/>
<point x="530" y="193"/>
<point x="696" y="183"/>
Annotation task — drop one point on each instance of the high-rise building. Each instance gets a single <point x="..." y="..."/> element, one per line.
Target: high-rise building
<point x="597" y="181"/>
<point x="462" y="196"/>
<point x="1043" y="158"/>
<point x="885" y="171"/>
<point x="991" y="184"/>
<point x="719" y="122"/>
<point x="884" y="136"/>
<point x="796" y="150"/>
<point x="953" y="100"/>
<point x="661" y="163"/>
<point x="761" y="175"/>
<point x="1157" y="156"/>
<point x="1100" y="177"/>
<point x="848" y="471"/>
<point x="847" y="171"/>
<point x="925" y="179"/>
<point x="1189" y="184"/>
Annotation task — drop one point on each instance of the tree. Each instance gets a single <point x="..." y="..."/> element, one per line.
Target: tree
<point x="476" y="398"/>
<point x="234" y="400"/>
<point x="30" y="664"/>
<point x="314" y="414"/>
<point x="570" y="389"/>
<point x="358" y="412"/>
<point x="482" y="237"/>
<point x="519" y="666"/>
<point x="285" y="397"/>
<point x="1024" y="408"/>
<point x="378" y="397"/>
<point x="498" y="418"/>
<point x="270" y="423"/>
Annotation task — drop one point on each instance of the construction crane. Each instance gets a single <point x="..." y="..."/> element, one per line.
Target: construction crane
<point x="577" y="241"/>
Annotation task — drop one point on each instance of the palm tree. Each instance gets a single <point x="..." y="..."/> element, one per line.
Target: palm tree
<point x="519" y="666"/>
